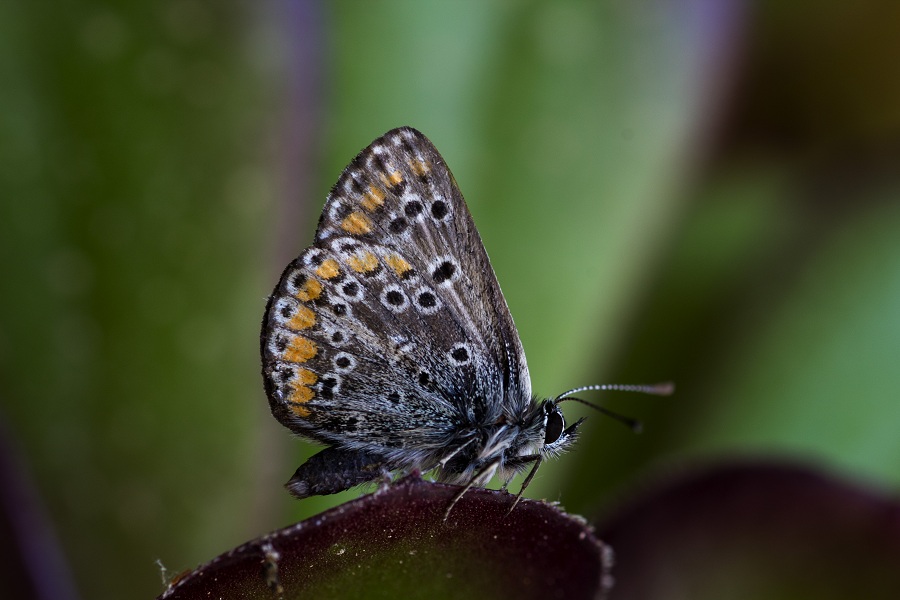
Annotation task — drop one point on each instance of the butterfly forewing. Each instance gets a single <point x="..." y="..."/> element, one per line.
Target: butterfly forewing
<point x="391" y="330"/>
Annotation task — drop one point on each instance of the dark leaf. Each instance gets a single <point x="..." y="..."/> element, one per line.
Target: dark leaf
<point x="396" y="544"/>
<point x="757" y="530"/>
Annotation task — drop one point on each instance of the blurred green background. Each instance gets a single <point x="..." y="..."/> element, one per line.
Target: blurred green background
<point x="704" y="191"/>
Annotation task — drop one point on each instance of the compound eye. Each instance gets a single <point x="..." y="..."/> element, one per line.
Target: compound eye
<point x="555" y="426"/>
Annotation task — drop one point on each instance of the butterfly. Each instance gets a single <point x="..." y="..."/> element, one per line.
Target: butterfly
<point x="389" y="341"/>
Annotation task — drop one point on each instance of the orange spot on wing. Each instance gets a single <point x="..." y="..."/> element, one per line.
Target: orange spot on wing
<point x="363" y="263"/>
<point x="301" y="392"/>
<point x="420" y="167"/>
<point x="300" y="350"/>
<point x="373" y="199"/>
<point x="356" y="223"/>
<point x="328" y="269"/>
<point x="305" y="377"/>
<point x="399" y="265"/>
<point x="311" y="290"/>
<point x="392" y="178"/>
<point x="298" y="398"/>
<point x="304" y="318"/>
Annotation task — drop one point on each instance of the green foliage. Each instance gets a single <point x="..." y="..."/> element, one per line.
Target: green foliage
<point x="655" y="209"/>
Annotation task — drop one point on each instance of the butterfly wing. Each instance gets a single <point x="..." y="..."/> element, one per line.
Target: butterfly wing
<point x="391" y="333"/>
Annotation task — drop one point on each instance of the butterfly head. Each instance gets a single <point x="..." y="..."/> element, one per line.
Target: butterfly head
<point x="550" y="422"/>
<point x="557" y="438"/>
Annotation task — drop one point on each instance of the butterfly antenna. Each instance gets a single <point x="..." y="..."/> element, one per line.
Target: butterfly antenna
<point x="658" y="389"/>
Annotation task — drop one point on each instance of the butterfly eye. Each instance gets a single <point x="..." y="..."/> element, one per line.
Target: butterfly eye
<point x="555" y="426"/>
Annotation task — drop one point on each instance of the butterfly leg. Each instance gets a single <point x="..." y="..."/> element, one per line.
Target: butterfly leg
<point x="443" y="462"/>
<point x="333" y="470"/>
<point x="488" y="468"/>
<point x="522" y="461"/>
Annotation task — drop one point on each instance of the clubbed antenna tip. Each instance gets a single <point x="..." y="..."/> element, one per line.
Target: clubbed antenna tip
<point x="657" y="389"/>
<point x="666" y="388"/>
